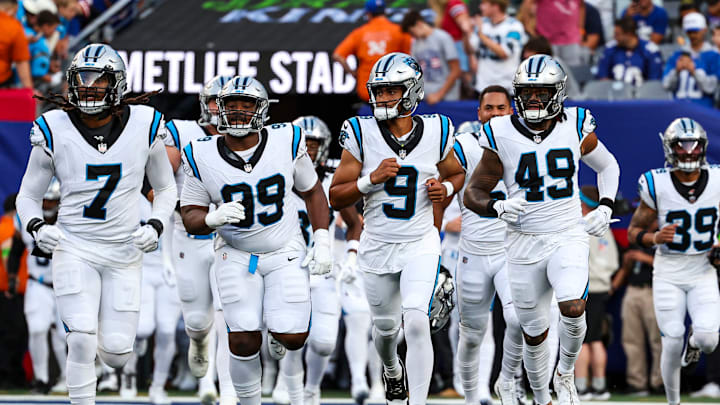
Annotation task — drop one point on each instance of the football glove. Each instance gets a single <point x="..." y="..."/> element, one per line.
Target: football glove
<point x="598" y="220"/>
<point x="348" y="270"/>
<point x="47" y="237"/>
<point x="146" y="238"/>
<point x="228" y="213"/>
<point x="318" y="259"/>
<point x="509" y="210"/>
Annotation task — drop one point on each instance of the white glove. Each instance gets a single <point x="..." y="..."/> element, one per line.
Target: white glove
<point x="510" y="209"/>
<point x="598" y="220"/>
<point x="145" y="238"/>
<point x="318" y="258"/>
<point x="47" y="237"/>
<point x="348" y="270"/>
<point x="228" y="213"/>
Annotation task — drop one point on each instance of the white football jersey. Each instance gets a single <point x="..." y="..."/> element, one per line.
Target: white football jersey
<point x="510" y="35"/>
<point x="181" y="132"/>
<point x="38" y="267"/>
<point x="100" y="190"/>
<point x="399" y="210"/>
<point x="541" y="167"/>
<point x="263" y="183"/>
<point x="695" y="209"/>
<point x="479" y="235"/>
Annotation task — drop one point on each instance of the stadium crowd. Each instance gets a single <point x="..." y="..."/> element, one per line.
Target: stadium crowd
<point x="610" y="51"/>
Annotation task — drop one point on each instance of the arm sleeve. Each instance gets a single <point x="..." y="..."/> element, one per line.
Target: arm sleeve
<point x="607" y="169"/>
<point x="194" y="193"/>
<point x="304" y="174"/>
<point x="646" y="189"/>
<point x="38" y="174"/>
<point x="160" y="175"/>
<point x="350" y="140"/>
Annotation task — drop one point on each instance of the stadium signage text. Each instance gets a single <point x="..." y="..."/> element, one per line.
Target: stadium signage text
<point x="283" y="72"/>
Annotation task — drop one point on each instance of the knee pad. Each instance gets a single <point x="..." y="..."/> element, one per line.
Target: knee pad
<point x="198" y="324"/>
<point x="672" y="346"/>
<point x="471" y="336"/>
<point x="534" y="321"/>
<point x="386" y="326"/>
<point x="707" y="342"/>
<point x="81" y="347"/>
<point x="673" y="329"/>
<point x="416" y="324"/>
<point x="322" y="348"/>
<point x="115" y="348"/>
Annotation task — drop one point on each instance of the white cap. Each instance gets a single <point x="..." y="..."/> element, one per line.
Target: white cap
<point x="36" y="6"/>
<point x="694" y="22"/>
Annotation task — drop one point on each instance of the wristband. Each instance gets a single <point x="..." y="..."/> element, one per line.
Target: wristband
<point x="607" y="202"/>
<point x="490" y="208"/>
<point x="352" y="245"/>
<point x="364" y="184"/>
<point x="34" y="225"/>
<point x="639" y="238"/>
<point x="156" y="224"/>
<point x="449" y="188"/>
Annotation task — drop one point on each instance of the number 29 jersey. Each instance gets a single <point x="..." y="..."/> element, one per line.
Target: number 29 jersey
<point x="694" y="209"/>
<point x="541" y="167"/>
<point x="399" y="210"/>
<point x="216" y="174"/>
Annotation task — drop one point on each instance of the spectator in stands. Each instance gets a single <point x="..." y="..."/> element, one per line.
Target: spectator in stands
<point x="639" y="326"/>
<point x="603" y="262"/>
<point x="713" y="12"/>
<point x="593" y="35"/>
<point x="435" y="51"/>
<point x="370" y="42"/>
<point x="716" y="37"/>
<point x="29" y="9"/>
<point x="691" y="72"/>
<point x="540" y="45"/>
<point x="652" y="20"/>
<point x="606" y="9"/>
<point x="498" y="42"/>
<point x="42" y="37"/>
<point x="453" y="17"/>
<point x="628" y="58"/>
<point x="559" y="21"/>
<point x="13" y="47"/>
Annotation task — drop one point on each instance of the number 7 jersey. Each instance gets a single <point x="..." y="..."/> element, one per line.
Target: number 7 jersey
<point x="399" y="210"/>
<point x="694" y="209"/>
<point x="541" y="167"/>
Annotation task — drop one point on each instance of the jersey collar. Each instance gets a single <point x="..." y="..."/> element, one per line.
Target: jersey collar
<point x="111" y="132"/>
<point x="236" y="161"/>
<point x="693" y="191"/>
<point x="402" y="149"/>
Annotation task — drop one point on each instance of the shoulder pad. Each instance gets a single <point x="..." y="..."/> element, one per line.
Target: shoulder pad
<point x="41" y="134"/>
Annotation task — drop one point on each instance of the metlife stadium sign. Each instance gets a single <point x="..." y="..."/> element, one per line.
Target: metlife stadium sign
<point x="287" y="45"/>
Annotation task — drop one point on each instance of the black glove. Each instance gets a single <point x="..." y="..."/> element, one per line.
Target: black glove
<point x="714" y="257"/>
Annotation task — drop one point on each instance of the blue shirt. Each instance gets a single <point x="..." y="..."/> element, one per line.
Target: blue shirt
<point x="655" y="22"/>
<point x="687" y="86"/>
<point x="39" y="55"/>
<point x="631" y="66"/>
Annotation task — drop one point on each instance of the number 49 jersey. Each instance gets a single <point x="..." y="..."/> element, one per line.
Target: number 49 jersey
<point x="216" y="174"/>
<point x="541" y="167"/>
<point x="694" y="209"/>
<point x="399" y="210"/>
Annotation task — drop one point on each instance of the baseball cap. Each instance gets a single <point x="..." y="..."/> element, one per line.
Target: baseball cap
<point x="36" y="6"/>
<point x="694" y="22"/>
<point x="375" y="6"/>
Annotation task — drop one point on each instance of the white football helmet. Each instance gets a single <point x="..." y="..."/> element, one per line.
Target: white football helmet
<point x="685" y="145"/>
<point x="315" y="129"/>
<point x="396" y="69"/>
<point x="247" y="88"/>
<point x="539" y="71"/>
<point x="210" y="92"/>
<point x="90" y="64"/>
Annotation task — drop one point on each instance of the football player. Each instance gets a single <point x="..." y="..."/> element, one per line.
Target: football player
<point x="323" y="289"/>
<point x="40" y="307"/>
<point x="99" y="148"/>
<point x="536" y="153"/>
<point x="482" y="270"/>
<point x="193" y="257"/>
<point x="683" y="197"/>
<point x="249" y="174"/>
<point x="392" y="160"/>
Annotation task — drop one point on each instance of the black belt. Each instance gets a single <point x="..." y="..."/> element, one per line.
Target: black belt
<point x="43" y="282"/>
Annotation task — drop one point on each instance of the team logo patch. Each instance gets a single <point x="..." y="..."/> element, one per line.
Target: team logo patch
<point x="224" y="256"/>
<point x="343" y="137"/>
<point x="465" y="259"/>
<point x="182" y="255"/>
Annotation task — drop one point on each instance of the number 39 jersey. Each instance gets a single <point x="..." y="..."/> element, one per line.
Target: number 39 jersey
<point x="541" y="167"/>
<point x="694" y="209"/>
<point x="99" y="191"/>
<point x="263" y="184"/>
<point x="399" y="210"/>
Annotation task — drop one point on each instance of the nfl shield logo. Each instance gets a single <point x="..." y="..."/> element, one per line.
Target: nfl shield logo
<point x="182" y="255"/>
<point x="224" y="256"/>
<point x="465" y="259"/>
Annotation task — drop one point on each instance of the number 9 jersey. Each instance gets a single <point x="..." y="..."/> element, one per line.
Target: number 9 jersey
<point x="263" y="183"/>
<point x="399" y="210"/>
<point x="541" y="167"/>
<point x="694" y="209"/>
